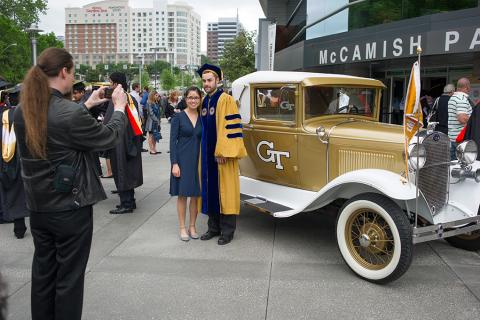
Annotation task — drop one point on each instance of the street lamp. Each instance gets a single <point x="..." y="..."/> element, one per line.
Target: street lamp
<point x="33" y="31"/>
<point x="140" y="56"/>
<point x="10" y="45"/>
<point x="155" y="69"/>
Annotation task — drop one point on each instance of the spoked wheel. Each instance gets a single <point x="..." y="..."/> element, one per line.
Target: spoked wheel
<point x="374" y="237"/>
<point x="469" y="241"/>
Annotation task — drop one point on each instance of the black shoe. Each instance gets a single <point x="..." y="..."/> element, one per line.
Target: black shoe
<point x="209" y="235"/>
<point x="144" y="150"/>
<point x="114" y="191"/>
<point x="20" y="234"/>
<point x="121" y="210"/>
<point x="133" y="207"/>
<point x="224" y="240"/>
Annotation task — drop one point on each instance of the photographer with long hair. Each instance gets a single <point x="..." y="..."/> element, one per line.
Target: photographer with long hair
<point x="56" y="140"/>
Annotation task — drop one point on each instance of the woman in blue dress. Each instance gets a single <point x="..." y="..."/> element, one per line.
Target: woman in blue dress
<point x="185" y="137"/>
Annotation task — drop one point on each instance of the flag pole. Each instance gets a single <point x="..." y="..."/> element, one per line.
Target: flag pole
<point x="419" y="109"/>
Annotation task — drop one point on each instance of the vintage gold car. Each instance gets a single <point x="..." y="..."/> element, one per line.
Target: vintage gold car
<point x="313" y="139"/>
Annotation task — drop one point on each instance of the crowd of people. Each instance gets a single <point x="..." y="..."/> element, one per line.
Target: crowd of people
<point x="455" y="114"/>
<point x="51" y="172"/>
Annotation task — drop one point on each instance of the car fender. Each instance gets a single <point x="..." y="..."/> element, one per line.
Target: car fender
<point x="350" y="184"/>
<point x="385" y="182"/>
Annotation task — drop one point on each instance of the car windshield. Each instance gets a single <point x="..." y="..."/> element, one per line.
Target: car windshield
<point x="329" y="100"/>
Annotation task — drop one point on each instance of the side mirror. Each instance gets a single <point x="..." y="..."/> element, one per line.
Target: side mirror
<point x="322" y="134"/>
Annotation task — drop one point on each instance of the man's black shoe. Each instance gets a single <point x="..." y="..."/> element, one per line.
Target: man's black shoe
<point x="133" y="207"/>
<point x="144" y="150"/>
<point x="209" y="235"/>
<point x="224" y="240"/>
<point x="114" y="191"/>
<point x="121" y="210"/>
<point x="20" y="234"/>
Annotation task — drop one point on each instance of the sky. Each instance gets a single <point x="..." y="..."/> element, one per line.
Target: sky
<point x="249" y="11"/>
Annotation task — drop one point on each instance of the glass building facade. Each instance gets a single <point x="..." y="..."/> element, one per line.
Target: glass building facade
<point x="379" y="39"/>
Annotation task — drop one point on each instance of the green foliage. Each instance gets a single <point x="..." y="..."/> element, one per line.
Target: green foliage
<point x="239" y="57"/>
<point x="49" y="40"/>
<point x="22" y="12"/>
<point x="158" y="67"/>
<point x="167" y="80"/>
<point x="16" y="60"/>
<point x="204" y="59"/>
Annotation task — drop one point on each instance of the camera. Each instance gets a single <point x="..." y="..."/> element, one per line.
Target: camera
<point x="108" y="93"/>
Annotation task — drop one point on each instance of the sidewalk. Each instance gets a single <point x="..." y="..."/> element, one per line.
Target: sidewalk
<point x="273" y="269"/>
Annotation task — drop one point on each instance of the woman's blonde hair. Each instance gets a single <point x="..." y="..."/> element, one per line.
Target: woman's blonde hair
<point x="151" y="97"/>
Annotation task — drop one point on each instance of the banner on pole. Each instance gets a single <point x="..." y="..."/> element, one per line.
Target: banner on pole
<point x="413" y="120"/>
<point x="272" y="33"/>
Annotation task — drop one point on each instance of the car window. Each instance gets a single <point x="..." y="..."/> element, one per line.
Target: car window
<point x="328" y="100"/>
<point x="275" y="103"/>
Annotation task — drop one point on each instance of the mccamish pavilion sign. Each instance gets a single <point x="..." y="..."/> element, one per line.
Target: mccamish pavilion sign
<point x="451" y="41"/>
<point x="439" y="34"/>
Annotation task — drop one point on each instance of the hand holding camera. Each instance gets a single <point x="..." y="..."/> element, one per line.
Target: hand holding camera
<point x="97" y="97"/>
<point x="119" y="98"/>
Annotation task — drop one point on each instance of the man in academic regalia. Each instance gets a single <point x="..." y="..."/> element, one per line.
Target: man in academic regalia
<point x="12" y="193"/>
<point x="126" y="157"/>
<point x="222" y="146"/>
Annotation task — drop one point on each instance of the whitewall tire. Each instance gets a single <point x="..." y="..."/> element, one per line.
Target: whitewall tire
<point x="374" y="237"/>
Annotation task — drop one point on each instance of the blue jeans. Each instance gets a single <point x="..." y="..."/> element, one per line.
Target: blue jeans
<point x="453" y="148"/>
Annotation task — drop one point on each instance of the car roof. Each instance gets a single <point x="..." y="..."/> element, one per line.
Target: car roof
<point x="307" y="78"/>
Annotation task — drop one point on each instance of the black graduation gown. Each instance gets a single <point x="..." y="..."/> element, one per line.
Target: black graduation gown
<point x="12" y="193"/>
<point x="473" y="127"/>
<point x="126" y="157"/>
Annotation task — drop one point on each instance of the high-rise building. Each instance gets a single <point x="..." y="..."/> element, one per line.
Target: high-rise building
<point x="219" y="33"/>
<point x="113" y="32"/>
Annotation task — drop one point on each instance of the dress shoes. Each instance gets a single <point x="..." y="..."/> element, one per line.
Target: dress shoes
<point x="121" y="210"/>
<point x="20" y="234"/>
<point x="223" y="240"/>
<point x="209" y="235"/>
<point x="134" y="206"/>
<point x="114" y="191"/>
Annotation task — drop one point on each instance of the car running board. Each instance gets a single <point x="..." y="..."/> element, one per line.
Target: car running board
<point x="263" y="204"/>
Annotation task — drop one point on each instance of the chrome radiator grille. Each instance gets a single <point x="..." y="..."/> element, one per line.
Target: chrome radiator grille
<point x="434" y="176"/>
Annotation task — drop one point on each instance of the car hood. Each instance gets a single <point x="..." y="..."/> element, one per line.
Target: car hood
<point x="357" y="129"/>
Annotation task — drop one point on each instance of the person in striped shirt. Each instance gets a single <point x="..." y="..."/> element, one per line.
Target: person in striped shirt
<point x="459" y="110"/>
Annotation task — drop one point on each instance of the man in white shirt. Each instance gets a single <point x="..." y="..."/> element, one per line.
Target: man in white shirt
<point x="459" y="111"/>
<point x="136" y="94"/>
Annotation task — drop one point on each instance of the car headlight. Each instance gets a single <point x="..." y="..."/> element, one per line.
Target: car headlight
<point x="417" y="155"/>
<point x="467" y="152"/>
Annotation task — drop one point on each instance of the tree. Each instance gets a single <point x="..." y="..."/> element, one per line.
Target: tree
<point x="48" y="40"/>
<point x="204" y="59"/>
<point x="15" y="60"/>
<point x="239" y="56"/>
<point x="23" y="12"/>
<point x="167" y="80"/>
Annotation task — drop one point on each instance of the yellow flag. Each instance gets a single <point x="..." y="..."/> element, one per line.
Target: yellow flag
<point x="413" y="117"/>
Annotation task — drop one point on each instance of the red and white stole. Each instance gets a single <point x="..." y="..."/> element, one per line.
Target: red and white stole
<point x="133" y="116"/>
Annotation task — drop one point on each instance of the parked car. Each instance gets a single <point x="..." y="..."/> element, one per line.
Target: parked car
<point x="314" y="139"/>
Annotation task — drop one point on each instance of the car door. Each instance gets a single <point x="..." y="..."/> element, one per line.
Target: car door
<point x="271" y="137"/>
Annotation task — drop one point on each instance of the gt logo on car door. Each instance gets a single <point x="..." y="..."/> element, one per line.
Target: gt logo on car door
<point x="272" y="155"/>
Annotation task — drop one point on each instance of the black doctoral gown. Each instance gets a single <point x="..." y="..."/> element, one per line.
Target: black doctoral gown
<point x="12" y="194"/>
<point x="126" y="157"/>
